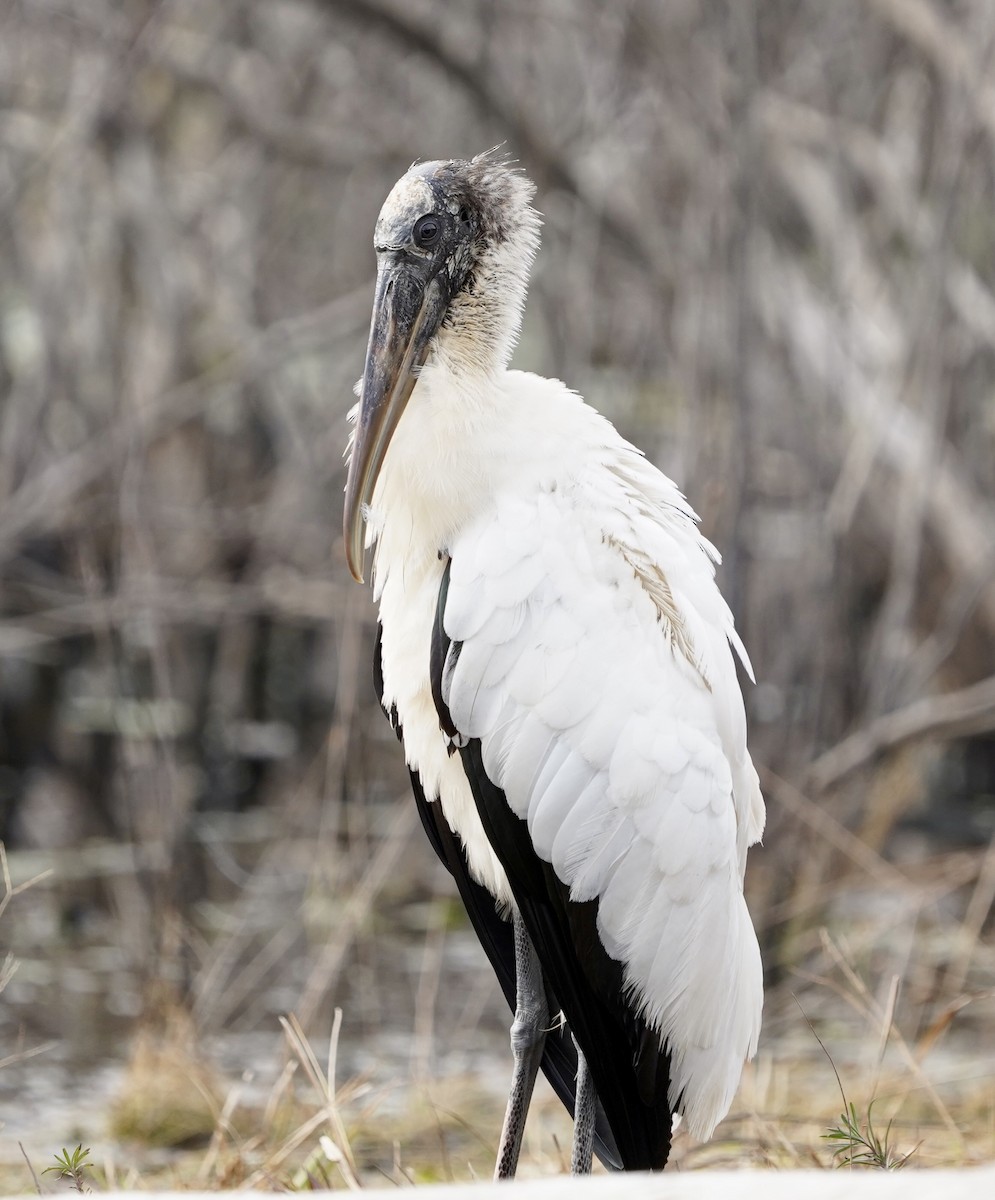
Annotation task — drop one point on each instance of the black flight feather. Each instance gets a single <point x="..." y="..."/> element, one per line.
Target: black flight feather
<point x="631" y="1072"/>
<point x="559" y="1060"/>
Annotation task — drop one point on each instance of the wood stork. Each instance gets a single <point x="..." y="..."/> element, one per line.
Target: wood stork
<point x="556" y="658"/>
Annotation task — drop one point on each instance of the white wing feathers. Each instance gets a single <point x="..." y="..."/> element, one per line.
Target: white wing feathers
<point x="595" y="667"/>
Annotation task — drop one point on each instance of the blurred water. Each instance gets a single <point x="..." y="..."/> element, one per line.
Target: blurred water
<point x="417" y="996"/>
<point x="77" y="991"/>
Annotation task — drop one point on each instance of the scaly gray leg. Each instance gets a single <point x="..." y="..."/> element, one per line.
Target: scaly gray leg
<point x="528" y="1035"/>
<point x="585" y="1106"/>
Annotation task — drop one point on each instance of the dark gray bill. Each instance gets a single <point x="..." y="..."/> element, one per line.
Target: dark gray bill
<point x="407" y="310"/>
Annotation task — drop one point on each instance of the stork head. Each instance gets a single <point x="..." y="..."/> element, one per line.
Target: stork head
<point x="454" y="244"/>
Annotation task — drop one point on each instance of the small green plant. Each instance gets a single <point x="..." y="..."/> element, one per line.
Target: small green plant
<point x="71" y="1164"/>
<point x="861" y="1145"/>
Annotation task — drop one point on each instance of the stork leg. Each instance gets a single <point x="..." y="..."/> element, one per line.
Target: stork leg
<point x="585" y="1109"/>
<point x="528" y="1035"/>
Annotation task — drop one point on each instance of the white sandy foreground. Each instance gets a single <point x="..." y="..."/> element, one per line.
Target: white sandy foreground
<point x="976" y="1183"/>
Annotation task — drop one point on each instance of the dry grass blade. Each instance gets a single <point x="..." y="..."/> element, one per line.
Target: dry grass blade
<point x="9" y="964"/>
<point x="817" y="818"/>
<point x="223" y="1129"/>
<point x="9" y="890"/>
<point x="22" y="1055"/>
<point x="277" y="1093"/>
<point x="31" y="1170"/>
<point x="864" y="1002"/>
<point x="940" y="1024"/>
<point x="339" y="1149"/>
<point x="266" y="1174"/>
<point x="978" y="909"/>
<point x="888" y="1017"/>
<point x="858" y="1143"/>
<point x="358" y="906"/>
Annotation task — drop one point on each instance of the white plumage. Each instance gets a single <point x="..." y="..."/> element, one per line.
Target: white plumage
<point x="591" y="656"/>
<point x="628" y="762"/>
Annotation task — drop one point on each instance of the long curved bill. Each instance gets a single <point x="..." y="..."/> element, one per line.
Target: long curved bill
<point x="407" y="310"/>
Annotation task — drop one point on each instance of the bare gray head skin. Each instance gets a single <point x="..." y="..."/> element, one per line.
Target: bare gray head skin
<point x="454" y="243"/>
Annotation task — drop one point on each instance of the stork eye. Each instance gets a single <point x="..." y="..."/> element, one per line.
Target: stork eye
<point x="427" y="231"/>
